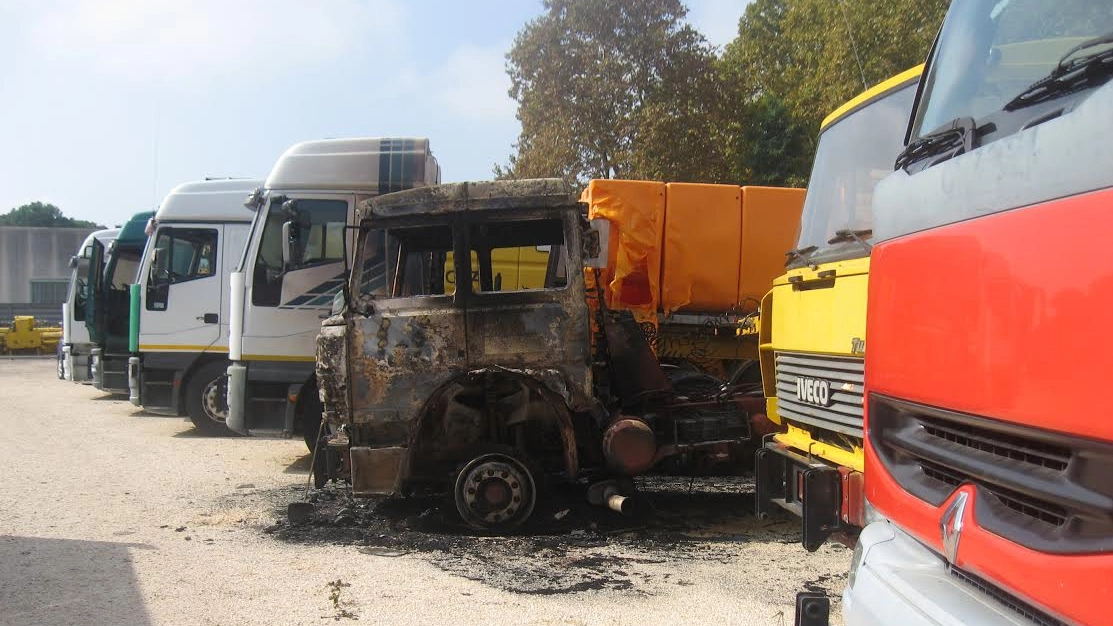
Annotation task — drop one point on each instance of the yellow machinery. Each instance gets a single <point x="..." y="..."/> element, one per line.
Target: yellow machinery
<point x="24" y="336"/>
<point x="813" y="321"/>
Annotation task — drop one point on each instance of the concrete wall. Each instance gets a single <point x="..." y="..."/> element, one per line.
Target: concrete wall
<point x="28" y="253"/>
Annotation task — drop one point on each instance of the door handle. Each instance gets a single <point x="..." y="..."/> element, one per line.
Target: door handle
<point x="209" y="318"/>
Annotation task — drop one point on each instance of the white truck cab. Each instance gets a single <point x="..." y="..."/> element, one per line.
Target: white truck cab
<point x="295" y="264"/>
<point x="180" y="302"/>
<point x="76" y="344"/>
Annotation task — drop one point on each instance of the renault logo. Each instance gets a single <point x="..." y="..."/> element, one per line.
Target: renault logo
<point x="951" y="526"/>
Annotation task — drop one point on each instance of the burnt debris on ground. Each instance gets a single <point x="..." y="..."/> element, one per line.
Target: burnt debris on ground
<point x="568" y="546"/>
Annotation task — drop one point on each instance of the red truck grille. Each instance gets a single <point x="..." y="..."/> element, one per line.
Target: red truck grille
<point x="1043" y="490"/>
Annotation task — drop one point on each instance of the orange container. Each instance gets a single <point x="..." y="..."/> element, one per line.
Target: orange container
<point x="770" y="218"/>
<point x="703" y="232"/>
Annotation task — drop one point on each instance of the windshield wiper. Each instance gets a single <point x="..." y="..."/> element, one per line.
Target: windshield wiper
<point x="799" y="253"/>
<point x="1070" y="74"/>
<point x="845" y="234"/>
<point x="951" y="139"/>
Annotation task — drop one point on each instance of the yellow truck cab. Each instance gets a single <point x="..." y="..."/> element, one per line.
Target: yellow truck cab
<point x="812" y="338"/>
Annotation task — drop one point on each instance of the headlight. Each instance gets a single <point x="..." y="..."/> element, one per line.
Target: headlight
<point x="855" y="563"/>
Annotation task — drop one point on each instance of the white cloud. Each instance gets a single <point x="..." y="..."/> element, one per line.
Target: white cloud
<point x="472" y="84"/>
<point x="179" y="40"/>
<point x="717" y="19"/>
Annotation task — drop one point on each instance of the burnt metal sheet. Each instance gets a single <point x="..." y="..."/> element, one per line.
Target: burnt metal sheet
<point x="376" y="470"/>
<point x="470" y="196"/>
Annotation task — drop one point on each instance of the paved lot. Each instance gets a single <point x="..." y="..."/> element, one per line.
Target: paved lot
<point x="114" y="516"/>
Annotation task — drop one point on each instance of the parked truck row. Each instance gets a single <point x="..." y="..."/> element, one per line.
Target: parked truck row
<point x="486" y="339"/>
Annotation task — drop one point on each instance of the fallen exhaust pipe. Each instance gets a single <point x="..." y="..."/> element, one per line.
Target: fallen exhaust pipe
<point x="617" y="495"/>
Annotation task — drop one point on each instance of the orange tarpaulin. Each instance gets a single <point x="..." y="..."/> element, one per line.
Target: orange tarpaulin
<point x="636" y="212"/>
<point x="703" y="231"/>
<point x="770" y="219"/>
<point x="691" y="247"/>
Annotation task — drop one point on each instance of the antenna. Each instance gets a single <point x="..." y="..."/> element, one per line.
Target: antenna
<point x="853" y="44"/>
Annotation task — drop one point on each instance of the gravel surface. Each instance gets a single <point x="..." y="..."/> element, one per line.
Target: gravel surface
<point x="115" y="516"/>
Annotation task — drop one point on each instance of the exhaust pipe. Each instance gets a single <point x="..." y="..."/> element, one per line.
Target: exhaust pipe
<point x="617" y="495"/>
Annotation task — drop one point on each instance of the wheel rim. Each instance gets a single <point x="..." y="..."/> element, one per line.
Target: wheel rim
<point x="214" y="399"/>
<point x="495" y="492"/>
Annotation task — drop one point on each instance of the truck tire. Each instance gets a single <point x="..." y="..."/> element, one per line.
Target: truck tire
<point x="495" y="492"/>
<point x="206" y="399"/>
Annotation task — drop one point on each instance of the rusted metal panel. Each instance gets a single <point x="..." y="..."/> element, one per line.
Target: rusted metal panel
<point x="376" y="470"/>
<point x="402" y="352"/>
<point x="332" y="372"/>
<point x="470" y="196"/>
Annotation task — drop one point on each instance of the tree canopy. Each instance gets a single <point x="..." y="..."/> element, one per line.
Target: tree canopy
<point x="602" y="84"/>
<point x="627" y="89"/>
<point x="42" y="214"/>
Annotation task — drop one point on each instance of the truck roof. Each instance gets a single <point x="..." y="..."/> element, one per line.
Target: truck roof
<point x="536" y="193"/>
<point x="103" y="236"/>
<point x="871" y="94"/>
<point x="366" y="164"/>
<point x="134" y="231"/>
<point x="208" y="200"/>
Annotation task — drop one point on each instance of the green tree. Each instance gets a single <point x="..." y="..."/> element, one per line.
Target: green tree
<point x="613" y="89"/>
<point x="795" y="61"/>
<point x="42" y="214"/>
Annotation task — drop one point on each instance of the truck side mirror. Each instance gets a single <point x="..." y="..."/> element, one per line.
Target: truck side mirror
<point x="339" y="302"/>
<point x="73" y="262"/>
<point x="290" y="234"/>
<point x="596" y="240"/>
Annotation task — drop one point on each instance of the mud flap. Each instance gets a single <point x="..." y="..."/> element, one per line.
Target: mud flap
<point x="822" y="499"/>
<point x="769" y="481"/>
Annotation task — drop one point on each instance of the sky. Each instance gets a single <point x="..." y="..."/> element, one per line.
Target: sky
<point x="105" y="105"/>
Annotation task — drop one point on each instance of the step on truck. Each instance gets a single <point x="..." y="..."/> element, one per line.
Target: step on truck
<point x="294" y="265"/>
<point x="490" y="393"/>
<point x="76" y="345"/>
<point x="989" y="451"/>
<point x="813" y="322"/>
<point x="179" y="315"/>
<point x="108" y="306"/>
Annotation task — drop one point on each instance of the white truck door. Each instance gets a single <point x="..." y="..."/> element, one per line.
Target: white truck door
<point x="182" y="306"/>
<point x="287" y="298"/>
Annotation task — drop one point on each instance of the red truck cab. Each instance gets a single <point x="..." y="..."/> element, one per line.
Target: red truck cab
<point x="989" y="451"/>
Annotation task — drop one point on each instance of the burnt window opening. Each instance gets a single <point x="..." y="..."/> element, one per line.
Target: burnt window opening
<point x="407" y="262"/>
<point x="517" y="255"/>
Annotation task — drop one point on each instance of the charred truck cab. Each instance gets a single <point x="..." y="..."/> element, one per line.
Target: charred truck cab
<point x="813" y="322"/>
<point x="486" y="392"/>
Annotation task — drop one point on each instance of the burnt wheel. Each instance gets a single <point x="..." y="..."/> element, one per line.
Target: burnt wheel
<point x="495" y="492"/>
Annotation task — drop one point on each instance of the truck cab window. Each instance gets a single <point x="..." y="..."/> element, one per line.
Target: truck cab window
<point x="183" y="254"/>
<point x="406" y="262"/>
<point x="515" y="255"/>
<point x="317" y="238"/>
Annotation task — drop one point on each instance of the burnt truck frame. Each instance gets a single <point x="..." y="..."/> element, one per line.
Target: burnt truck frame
<point x="488" y="393"/>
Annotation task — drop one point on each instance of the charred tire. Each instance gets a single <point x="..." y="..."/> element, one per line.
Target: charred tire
<point x="495" y="492"/>
<point x="207" y="399"/>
